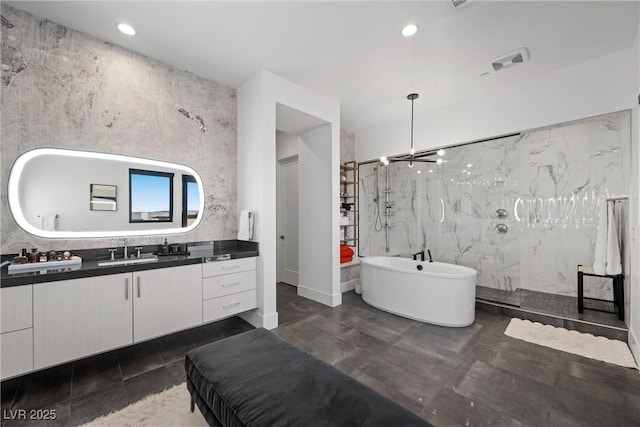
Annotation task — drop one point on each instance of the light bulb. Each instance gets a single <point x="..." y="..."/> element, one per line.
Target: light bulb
<point x="411" y="164"/>
<point x="440" y="152"/>
<point x="439" y="161"/>
<point x="413" y="151"/>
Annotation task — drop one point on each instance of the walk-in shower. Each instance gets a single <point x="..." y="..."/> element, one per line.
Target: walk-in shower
<point x="547" y="181"/>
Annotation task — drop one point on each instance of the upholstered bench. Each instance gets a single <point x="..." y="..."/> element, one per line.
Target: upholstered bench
<point x="258" y="379"/>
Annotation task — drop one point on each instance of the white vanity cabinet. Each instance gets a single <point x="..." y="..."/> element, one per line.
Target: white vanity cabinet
<point x="166" y="300"/>
<point x="78" y="317"/>
<point x="16" y="327"/>
<point x="55" y="322"/>
<point x="228" y="288"/>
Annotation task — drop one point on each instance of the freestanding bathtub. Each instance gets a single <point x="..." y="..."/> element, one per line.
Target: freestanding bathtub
<point x="438" y="293"/>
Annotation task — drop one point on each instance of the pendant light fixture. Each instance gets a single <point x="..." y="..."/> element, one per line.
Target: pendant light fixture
<point x="413" y="156"/>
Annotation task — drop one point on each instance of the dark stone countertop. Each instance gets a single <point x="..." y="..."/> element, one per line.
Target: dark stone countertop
<point x="199" y="252"/>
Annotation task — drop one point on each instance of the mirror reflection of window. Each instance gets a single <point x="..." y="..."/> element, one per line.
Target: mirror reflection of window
<point x="190" y="200"/>
<point x="150" y="196"/>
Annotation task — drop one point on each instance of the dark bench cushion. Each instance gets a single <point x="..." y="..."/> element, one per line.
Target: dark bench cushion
<point x="258" y="379"/>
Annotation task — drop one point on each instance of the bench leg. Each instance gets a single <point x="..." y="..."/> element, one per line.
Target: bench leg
<point x="580" y="292"/>
<point x="193" y="404"/>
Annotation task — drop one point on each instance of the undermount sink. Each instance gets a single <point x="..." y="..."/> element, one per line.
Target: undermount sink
<point x="143" y="260"/>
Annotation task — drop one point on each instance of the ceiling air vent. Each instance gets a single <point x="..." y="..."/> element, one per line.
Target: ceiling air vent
<point x="458" y="4"/>
<point x="509" y="59"/>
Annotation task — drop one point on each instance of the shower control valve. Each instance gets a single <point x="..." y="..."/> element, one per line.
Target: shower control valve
<point x="501" y="228"/>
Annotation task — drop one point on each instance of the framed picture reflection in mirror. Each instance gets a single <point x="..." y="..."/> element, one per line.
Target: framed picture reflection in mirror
<point x="103" y="197"/>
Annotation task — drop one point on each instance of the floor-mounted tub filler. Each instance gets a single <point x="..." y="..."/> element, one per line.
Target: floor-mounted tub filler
<point x="432" y="292"/>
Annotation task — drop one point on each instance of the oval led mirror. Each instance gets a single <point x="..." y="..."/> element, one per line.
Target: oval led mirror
<point x="59" y="193"/>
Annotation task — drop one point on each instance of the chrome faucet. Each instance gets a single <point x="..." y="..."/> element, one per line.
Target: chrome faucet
<point x="415" y="256"/>
<point x="126" y="249"/>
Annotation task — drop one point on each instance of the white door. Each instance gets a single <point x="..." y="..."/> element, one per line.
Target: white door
<point x="166" y="300"/>
<point x="288" y="230"/>
<point x="79" y="317"/>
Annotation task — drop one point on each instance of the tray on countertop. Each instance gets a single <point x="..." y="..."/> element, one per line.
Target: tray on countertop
<point x="49" y="265"/>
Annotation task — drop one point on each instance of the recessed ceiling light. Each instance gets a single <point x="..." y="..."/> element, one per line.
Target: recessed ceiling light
<point x="126" y="29"/>
<point x="409" y="30"/>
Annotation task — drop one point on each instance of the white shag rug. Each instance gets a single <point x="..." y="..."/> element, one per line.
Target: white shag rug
<point x="600" y="348"/>
<point x="169" y="408"/>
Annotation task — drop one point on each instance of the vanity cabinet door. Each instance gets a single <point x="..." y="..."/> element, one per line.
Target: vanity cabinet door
<point x="166" y="300"/>
<point x="16" y="337"/>
<point x="80" y="317"/>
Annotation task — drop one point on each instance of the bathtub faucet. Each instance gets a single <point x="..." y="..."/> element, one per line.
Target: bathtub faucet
<point x="421" y="253"/>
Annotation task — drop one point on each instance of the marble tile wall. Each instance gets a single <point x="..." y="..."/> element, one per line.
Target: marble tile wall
<point x="549" y="181"/>
<point x="61" y="88"/>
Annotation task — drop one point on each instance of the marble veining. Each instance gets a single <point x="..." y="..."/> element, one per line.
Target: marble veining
<point x="61" y="88"/>
<point x="550" y="181"/>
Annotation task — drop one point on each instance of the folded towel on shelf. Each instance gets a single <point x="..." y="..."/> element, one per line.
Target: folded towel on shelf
<point x="344" y="220"/>
<point x="614" y="266"/>
<point x="600" y="258"/>
<point x="346" y="251"/>
<point x="245" y="229"/>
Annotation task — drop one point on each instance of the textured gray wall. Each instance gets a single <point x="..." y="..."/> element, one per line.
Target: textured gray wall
<point x="61" y="88"/>
<point x="347" y="146"/>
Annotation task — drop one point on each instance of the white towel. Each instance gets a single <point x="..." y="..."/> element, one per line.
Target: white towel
<point x="600" y="259"/>
<point x="48" y="222"/>
<point x="245" y="229"/>
<point x="614" y="265"/>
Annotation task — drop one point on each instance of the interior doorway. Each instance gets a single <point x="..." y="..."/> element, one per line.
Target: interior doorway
<point x="287" y="221"/>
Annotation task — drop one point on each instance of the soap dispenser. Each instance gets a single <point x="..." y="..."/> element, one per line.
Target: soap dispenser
<point x="165" y="247"/>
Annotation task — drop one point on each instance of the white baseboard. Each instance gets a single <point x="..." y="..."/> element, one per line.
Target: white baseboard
<point x="321" y="297"/>
<point x="349" y="285"/>
<point x="634" y="345"/>
<point x="259" y="320"/>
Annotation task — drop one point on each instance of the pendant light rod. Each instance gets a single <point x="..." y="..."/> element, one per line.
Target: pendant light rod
<point x="412" y="97"/>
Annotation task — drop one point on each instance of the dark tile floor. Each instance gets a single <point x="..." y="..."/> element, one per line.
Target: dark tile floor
<point x="473" y="376"/>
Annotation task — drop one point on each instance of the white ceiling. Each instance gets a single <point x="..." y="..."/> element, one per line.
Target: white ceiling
<point x="353" y="51"/>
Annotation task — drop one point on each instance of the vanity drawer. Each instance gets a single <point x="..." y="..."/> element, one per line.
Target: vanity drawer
<point x="227" y="267"/>
<point x="17" y="308"/>
<point x="226" y="306"/>
<point x="17" y="353"/>
<point x="227" y="284"/>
